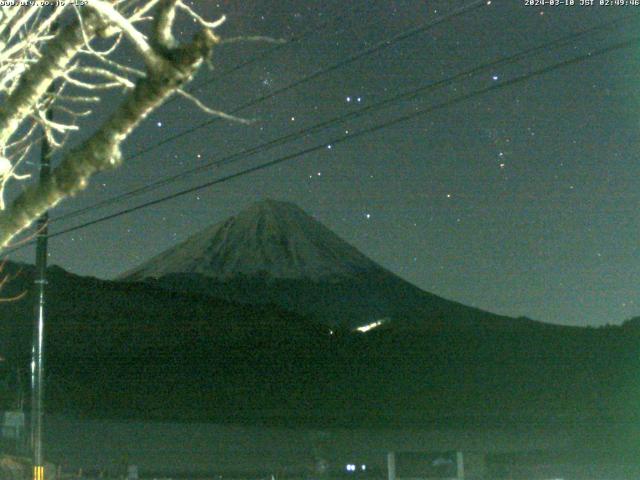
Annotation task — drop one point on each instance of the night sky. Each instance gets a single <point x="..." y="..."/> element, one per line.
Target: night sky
<point x="521" y="201"/>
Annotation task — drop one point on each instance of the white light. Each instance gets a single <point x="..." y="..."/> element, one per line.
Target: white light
<point x="494" y="78"/>
<point x="371" y="326"/>
<point x="348" y="99"/>
<point x="159" y="124"/>
<point x="351" y="467"/>
<point x="363" y="467"/>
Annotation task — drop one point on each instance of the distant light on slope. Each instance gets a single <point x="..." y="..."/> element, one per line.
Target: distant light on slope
<point x="371" y="326"/>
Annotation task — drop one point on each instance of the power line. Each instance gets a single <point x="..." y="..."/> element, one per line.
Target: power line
<point x="560" y="42"/>
<point x="263" y="54"/>
<point x="323" y="71"/>
<point x="418" y="113"/>
<point x="373" y="49"/>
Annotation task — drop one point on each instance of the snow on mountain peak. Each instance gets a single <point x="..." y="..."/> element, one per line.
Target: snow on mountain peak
<point x="270" y="237"/>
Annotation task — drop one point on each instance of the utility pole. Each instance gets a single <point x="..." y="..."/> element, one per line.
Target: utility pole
<point x="37" y="348"/>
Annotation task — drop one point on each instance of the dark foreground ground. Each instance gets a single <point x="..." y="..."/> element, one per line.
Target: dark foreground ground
<point x="201" y="450"/>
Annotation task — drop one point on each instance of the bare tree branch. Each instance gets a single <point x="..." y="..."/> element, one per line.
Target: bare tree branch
<point x="211" y="111"/>
<point x="37" y="79"/>
<point x="169" y="66"/>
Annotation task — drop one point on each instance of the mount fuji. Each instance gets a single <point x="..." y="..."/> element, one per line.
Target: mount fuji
<point x="273" y="239"/>
<point x="275" y="253"/>
<point x="260" y="319"/>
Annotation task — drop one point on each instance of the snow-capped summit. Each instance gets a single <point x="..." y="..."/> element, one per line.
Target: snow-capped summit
<point x="275" y="253"/>
<point x="272" y="238"/>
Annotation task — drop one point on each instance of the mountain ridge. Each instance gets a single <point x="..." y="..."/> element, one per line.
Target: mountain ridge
<point x="259" y="348"/>
<point x="274" y="252"/>
<point x="272" y="237"/>
<point x="139" y="350"/>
